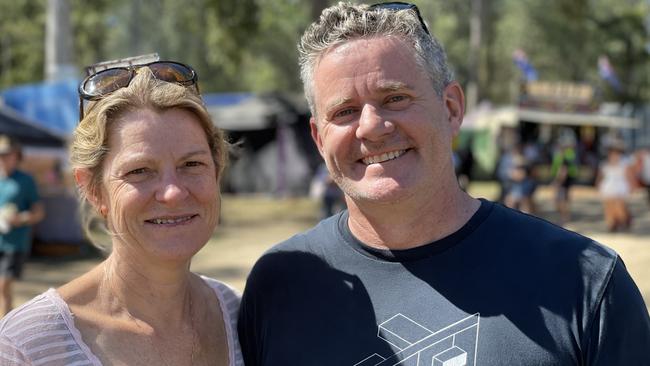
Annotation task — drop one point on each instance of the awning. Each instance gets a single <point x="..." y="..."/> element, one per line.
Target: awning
<point x="577" y="119"/>
<point x="247" y="112"/>
<point x="28" y="133"/>
<point x="509" y="116"/>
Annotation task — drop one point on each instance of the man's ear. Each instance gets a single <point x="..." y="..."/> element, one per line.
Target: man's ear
<point x="83" y="179"/>
<point x="315" y="134"/>
<point x="454" y="101"/>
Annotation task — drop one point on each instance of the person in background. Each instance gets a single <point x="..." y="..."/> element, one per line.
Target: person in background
<point x="147" y="159"/>
<point x="614" y="181"/>
<point x="523" y="184"/>
<point x="465" y="167"/>
<point x="564" y="171"/>
<point x="641" y="168"/>
<point x="502" y="172"/>
<point x="324" y="189"/>
<point x="20" y="209"/>
<point x="416" y="271"/>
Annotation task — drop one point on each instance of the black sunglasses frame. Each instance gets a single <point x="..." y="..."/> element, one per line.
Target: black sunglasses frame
<point x="131" y="69"/>
<point x="397" y="6"/>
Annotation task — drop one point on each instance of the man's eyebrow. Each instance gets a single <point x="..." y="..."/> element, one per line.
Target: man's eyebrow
<point x="336" y="103"/>
<point x="391" y="86"/>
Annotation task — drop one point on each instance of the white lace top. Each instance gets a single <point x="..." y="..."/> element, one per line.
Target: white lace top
<point x="42" y="331"/>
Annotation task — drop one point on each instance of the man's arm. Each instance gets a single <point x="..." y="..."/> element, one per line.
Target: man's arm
<point x="249" y="327"/>
<point x="30" y="217"/>
<point x="619" y="332"/>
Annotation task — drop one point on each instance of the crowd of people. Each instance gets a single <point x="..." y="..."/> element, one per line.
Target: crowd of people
<point x="618" y="174"/>
<point x="414" y="268"/>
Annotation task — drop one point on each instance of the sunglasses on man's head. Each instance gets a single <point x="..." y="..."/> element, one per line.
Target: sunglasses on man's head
<point x="397" y="6"/>
<point x="100" y="84"/>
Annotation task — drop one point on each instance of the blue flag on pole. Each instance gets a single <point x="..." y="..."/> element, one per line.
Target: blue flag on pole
<point x="607" y="73"/>
<point x="527" y="69"/>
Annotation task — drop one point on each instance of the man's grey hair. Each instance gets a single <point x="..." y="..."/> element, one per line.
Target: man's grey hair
<point x="345" y="22"/>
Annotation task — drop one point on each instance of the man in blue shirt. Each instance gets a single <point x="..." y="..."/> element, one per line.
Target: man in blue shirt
<point x="20" y="208"/>
<point x="416" y="271"/>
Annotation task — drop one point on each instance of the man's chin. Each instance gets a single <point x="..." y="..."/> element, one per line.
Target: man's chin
<point x="378" y="194"/>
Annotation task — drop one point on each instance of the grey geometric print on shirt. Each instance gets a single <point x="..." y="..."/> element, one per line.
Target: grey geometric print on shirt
<point x="454" y="345"/>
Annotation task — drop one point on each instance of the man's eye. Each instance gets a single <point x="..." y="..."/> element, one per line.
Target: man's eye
<point x="397" y="102"/>
<point x="344" y="112"/>
<point x="395" y="98"/>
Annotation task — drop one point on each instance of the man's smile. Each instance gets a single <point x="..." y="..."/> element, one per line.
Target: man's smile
<point x="374" y="159"/>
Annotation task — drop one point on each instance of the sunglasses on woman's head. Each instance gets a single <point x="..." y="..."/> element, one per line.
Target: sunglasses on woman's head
<point x="397" y="6"/>
<point x="100" y="84"/>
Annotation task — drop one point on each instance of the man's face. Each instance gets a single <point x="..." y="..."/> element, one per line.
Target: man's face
<point x="381" y="128"/>
<point x="8" y="162"/>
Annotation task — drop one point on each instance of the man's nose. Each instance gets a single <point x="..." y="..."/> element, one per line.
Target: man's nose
<point x="372" y="125"/>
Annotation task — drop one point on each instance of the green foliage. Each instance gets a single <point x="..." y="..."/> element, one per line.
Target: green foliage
<point x="249" y="45"/>
<point x="272" y="54"/>
<point x="22" y="24"/>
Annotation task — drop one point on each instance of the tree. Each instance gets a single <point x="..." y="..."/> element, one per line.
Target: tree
<point x="22" y="24"/>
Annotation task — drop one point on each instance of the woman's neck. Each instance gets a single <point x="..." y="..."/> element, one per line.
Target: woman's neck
<point x="136" y="288"/>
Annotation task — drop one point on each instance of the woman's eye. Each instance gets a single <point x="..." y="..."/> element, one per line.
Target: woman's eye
<point x="193" y="163"/>
<point x="137" y="171"/>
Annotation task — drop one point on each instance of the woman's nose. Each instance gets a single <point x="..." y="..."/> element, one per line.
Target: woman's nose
<point x="171" y="189"/>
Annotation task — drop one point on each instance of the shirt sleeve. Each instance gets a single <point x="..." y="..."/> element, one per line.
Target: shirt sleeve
<point x="248" y="326"/>
<point x="32" y="192"/>
<point x="620" y="329"/>
<point x="11" y="354"/>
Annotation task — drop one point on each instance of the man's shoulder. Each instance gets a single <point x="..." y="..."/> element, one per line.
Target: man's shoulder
<point x="313" y="239"/>
<point x="21" y="175"/>
<point x="546" y="241"/>
<point x="23" y="179"/>
<point x="300" y="251"/>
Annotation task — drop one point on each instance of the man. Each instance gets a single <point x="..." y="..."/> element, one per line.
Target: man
<point x="564" y="170"/>
<point x="417" y="272"/>
<point x="20" y="208"/>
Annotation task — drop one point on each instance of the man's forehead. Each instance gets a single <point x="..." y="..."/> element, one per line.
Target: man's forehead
<point x="391" y="58"/>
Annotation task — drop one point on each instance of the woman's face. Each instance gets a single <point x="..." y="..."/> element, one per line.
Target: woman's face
<point x="160" y="193"/>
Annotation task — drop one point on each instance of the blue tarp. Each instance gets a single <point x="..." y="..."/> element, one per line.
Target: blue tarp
<point x="225" y="99"/>
<point x="54" y="105"/>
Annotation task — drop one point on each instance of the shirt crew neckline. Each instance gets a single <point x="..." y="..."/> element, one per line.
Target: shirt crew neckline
<point x="420" y="252"/>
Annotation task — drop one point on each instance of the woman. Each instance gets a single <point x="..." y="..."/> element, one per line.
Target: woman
<point x="147" y="161"/>
<point x="613" y="182"/>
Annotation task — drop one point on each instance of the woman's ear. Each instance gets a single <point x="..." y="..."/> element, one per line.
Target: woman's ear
<point x="83" y="178"/>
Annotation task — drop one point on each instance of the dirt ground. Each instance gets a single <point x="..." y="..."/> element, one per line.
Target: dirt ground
<point x="251" y="224"/>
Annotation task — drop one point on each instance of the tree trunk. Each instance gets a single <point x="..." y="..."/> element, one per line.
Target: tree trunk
<point x="474" y="54"/>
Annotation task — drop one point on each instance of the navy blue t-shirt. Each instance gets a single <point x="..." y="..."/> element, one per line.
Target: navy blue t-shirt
<point x="505" y="289"/>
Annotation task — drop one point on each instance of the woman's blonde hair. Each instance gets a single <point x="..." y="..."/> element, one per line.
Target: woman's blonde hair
<point x="89" y="146"/>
